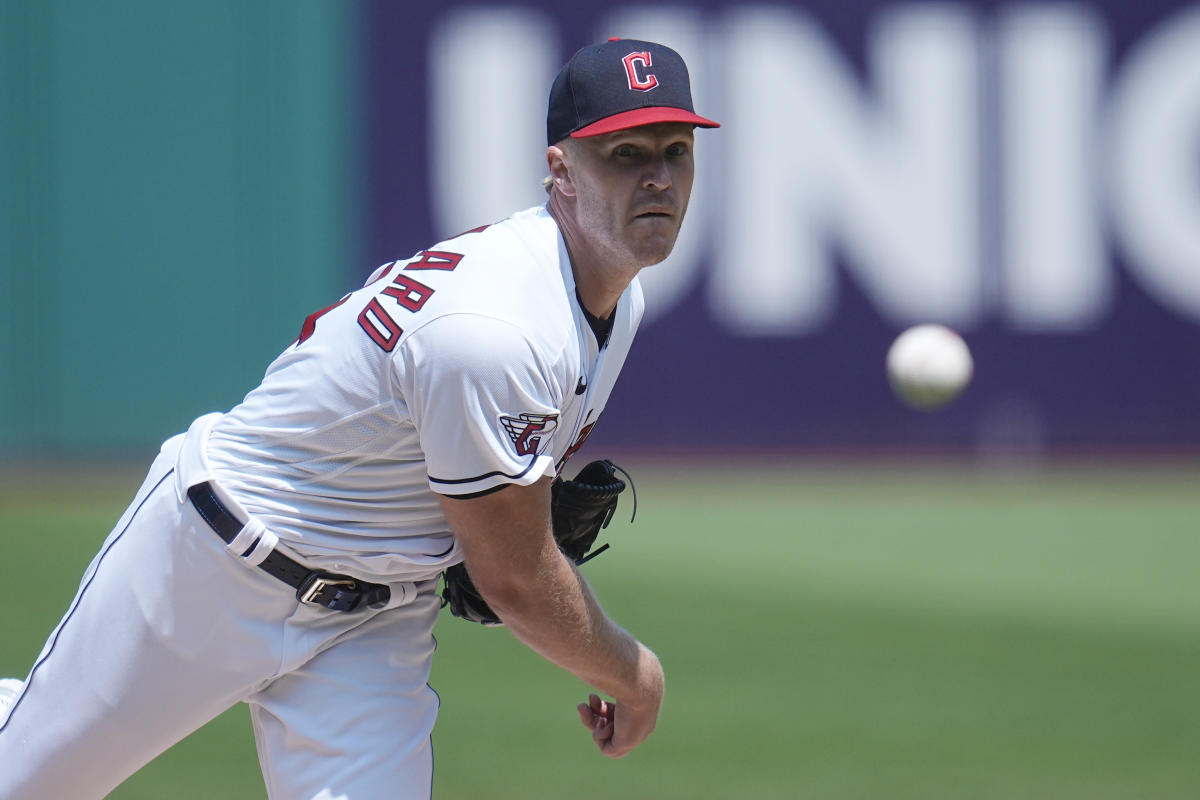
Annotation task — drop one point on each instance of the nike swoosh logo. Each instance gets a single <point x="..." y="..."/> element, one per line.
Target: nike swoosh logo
<point x="581" y="387"/>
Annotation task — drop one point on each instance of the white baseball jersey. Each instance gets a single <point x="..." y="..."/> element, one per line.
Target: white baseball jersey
<point x="468" y="366"/>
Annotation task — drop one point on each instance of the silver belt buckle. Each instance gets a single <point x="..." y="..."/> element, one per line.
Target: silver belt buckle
<point x="317" y="584"/>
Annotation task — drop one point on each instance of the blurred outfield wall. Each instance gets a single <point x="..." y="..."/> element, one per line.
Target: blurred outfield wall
<point x="1025" y="172"/>
<point x="179" y="187"/>
<point x="183" y="182"/>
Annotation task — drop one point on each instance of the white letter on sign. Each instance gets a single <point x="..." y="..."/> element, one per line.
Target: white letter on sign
<point x="1057" y="274"/>
<point x="815" y="167"/>
<point x="487" y="100"/>
<point x="1155" y="191"/>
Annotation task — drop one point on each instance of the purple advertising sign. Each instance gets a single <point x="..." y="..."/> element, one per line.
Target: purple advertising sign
<point x="1024" y="173"/>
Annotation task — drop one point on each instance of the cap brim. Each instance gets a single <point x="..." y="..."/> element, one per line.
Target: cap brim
<point x="643" y="116"/>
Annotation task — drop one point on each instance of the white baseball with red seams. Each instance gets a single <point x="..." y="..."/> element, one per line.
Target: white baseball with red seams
<point x="928" y="366"/>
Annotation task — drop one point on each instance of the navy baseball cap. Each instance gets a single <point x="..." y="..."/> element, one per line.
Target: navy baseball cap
<point x="622" y="83"/>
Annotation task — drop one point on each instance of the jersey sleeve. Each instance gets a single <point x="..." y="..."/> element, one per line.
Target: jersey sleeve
<point x="482" y="400"/>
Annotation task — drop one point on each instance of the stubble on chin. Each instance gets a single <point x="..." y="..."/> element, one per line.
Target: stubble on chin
<point x="656" y="247"/>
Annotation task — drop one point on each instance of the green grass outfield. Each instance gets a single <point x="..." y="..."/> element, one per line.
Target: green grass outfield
<point x="847" y="631"/>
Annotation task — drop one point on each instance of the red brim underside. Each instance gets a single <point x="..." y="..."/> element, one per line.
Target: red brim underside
<point x="643" y="116"/>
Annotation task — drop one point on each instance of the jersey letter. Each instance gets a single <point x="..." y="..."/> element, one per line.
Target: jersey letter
<point x="410" y="292"/>
<point x="435" y="259"/>
<point x="310" y="322"/>
<point x="382" y="329"/>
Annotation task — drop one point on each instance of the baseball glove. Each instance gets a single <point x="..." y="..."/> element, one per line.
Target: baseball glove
<point x="579" y="509"/>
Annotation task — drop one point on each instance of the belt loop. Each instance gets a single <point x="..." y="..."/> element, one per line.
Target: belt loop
<point x="255" y="546"/>
<point x="261" y="548"/>
<point x="247" y="539"/>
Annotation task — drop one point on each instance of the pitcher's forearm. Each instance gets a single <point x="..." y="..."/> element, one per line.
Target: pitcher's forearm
<point x="558" y="617"/>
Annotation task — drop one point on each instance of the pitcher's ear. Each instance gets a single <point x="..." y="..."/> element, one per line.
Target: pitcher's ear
<point x="560" y="171"/>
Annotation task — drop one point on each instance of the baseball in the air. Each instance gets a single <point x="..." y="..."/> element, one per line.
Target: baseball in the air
<point x="928" y="366"/>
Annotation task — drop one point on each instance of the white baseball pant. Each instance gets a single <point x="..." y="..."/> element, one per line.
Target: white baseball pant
<point x="168" y="630"/>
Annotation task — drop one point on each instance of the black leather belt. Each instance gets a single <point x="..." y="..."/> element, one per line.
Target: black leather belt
<point x="335" y="592"/>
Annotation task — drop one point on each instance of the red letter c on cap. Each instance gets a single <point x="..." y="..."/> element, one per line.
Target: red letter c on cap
<point x="632" y="61"/>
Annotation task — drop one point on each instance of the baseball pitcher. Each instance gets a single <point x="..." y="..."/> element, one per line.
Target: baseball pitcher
<point x="287" y="553"/>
